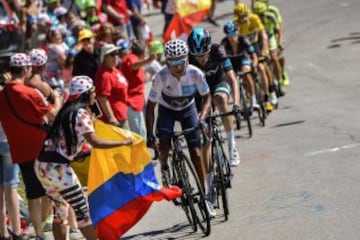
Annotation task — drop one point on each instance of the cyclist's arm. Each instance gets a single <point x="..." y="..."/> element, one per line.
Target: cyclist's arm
<point x="206" y="105"/>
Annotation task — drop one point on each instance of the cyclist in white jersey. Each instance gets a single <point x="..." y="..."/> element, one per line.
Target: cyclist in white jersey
<point x="174" y="88"/>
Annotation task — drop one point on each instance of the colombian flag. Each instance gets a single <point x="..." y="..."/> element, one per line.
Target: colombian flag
<point x="122" y="184"/>
<point x="189" y="13"/>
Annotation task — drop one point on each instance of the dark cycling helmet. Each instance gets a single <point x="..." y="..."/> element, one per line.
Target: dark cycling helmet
<point x="199" y="41"/>
<point x="230" y="28"/>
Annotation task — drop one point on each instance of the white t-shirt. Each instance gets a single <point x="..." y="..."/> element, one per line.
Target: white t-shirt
<point x="178" y="94"/>
<point x="84" y="124"/>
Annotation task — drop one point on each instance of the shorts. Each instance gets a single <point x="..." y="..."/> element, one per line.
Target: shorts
<point x="273" y="43"/>
<point x="33" y="187"/>
<point x="221" y="87"/>
<point x="64" y="189"/>
<point x="9" y="172"/>
<point x="188" y="118"/>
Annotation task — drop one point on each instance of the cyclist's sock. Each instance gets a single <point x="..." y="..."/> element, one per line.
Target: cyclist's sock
<point x="231" y="139"/>
<point x="253" y="99"/>
<point x="209" y="183"/>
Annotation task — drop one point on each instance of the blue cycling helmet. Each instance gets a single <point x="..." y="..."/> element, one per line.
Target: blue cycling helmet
<point x="230" y="29"/>
<point x="199" y="41"/>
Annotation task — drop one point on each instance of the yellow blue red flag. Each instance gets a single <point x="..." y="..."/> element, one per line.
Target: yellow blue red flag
<point x="122" y="184"/>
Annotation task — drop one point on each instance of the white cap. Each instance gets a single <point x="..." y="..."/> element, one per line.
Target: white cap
<point x="107" y="49"/>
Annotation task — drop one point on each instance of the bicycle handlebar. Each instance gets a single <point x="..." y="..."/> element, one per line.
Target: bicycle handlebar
<point x="224" y="114"/>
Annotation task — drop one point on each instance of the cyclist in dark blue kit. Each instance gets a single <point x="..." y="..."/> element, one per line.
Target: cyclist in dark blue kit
<point x="219" y="73"/>
<point x="242" y="55"/>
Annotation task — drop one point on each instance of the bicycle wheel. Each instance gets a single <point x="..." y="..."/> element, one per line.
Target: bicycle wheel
<point x="180" y="178"/>
<point x="219" y="177"/>
<point x="260" y="99"/>
<point x="197" y="197"/>
<point x="246" y="109"/>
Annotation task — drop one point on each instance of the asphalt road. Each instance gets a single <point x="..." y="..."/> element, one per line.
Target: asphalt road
<point x="299" y="175"/>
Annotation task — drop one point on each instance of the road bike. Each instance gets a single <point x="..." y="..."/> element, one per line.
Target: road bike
<point x="219" y="165"/>
<point x="184" y="176"/>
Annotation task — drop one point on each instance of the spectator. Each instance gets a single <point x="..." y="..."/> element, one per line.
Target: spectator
<point x="23" y="111"/>
<point x="118" y="13"/>
<point x="155" y="48"/>
<point x="57" y="51"/>
<point x="38" y="58"/>
<point x="9" y="181"/>
<point x="111" y="88"/>
<point x="105" y="34"/>
<point x="85" y="62"/>
<point x="137" y="19"/>
<point x="132" y="65"/>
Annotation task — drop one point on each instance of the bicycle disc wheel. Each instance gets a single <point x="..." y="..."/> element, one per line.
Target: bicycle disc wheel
<point x="180" y="179"/>
<point x="219" y="177"/>
<point x="246" y="110"/>
<point x="198" y="198"/>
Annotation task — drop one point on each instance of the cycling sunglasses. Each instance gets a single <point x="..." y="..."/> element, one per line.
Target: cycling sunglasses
<point x="174" y="63"/>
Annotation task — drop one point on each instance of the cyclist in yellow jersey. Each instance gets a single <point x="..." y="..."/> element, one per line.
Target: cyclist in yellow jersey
<point x="251" y="27"/>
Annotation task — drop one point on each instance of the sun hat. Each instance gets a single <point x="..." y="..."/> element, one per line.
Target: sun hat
<point x="20" y="60"/>
<point x="79" y="85"/>
<point x="107" y="49"/>
<point x="38" y="57"/>
<point x="85" y="33"/>
<point x="156" y="47"/>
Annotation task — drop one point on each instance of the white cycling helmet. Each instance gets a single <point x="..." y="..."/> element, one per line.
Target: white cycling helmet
<point x="38" y="57"/>
<point x="176" y="48"/>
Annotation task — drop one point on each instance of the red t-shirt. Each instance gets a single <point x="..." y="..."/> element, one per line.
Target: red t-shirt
<point x="112" y="84"/>
<point x="25" y="141"/>
<point x="119" y="6"/>
<point x="136" y="80"/>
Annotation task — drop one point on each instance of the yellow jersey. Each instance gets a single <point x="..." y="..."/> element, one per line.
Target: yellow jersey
<point x="251" y="28"/>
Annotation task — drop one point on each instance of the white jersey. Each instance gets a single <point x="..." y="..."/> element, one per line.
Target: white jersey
<point x="178" y="94"/>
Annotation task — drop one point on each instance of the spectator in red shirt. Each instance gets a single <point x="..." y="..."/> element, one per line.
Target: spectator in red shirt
<point x="111" y="88"/>
<point x="23" y="111"/>
<point x="132" y="65"/>
<point x="118" y="13"/>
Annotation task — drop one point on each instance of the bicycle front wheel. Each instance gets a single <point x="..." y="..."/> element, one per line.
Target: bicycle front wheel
<point x="246" y="109"/>
<point x="180" y="178"/>
<point x="198" y="198"/>
<point x="220" y="180"/>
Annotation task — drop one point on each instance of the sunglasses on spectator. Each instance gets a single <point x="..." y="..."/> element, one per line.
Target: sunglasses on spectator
<point x="92" y="90"/>
<point x="174" y="63"/>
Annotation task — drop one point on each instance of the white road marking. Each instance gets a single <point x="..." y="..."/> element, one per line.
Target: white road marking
<point x="344" y="4"/>
<point x="334" y="149"/>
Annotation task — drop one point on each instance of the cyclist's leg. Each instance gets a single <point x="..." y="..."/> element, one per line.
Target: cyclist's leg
<point x="246" y="67"/>
<point x="188" y="119"/>
<point x="274" y="58"/>
<point x="221" y="100"/>
<point x="263" y="77"/>
<point x="164" y="131"/>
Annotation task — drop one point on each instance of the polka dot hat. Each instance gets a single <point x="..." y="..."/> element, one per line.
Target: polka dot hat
<point x="20" y="60"/>
<point x="38" y="57"/>
<point x="79" y="85"/>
